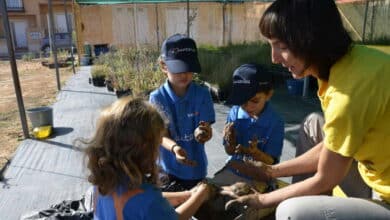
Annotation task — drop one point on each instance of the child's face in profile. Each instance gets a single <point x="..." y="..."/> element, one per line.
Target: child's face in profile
<point x="255" y="105"/>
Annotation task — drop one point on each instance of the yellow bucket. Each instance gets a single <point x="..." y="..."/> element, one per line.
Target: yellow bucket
<point x="42" y="132"/>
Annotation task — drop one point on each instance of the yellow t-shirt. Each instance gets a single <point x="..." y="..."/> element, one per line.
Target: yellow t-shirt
<point x="356" y="104"/>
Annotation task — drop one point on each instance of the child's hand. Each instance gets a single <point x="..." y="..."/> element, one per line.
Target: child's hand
<point x="181" y="157"/>
<point x="203" y="132"/>
<point x="252" y="149"/>
<point x="229" y="135"/>
<point x="177" y="198"/>
<point x="256" y="153"/>
<point x="240" y="149"/>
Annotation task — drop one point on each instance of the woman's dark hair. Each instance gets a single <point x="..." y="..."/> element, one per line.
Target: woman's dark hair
<point x="311" y="29"/>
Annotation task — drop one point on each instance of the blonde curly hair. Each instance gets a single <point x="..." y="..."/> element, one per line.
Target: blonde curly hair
<point x="124" y="149"/>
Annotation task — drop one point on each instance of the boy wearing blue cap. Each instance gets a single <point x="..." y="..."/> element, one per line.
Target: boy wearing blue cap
<point x="188" y="107"/>
<point x="253" y="129"/>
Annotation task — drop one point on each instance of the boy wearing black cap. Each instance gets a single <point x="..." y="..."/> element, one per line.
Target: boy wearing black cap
<point x="253" y="129"/>
<point x="189" y="110"/>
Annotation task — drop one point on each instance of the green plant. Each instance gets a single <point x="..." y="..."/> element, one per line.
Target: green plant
<point x="62" y="56"/>
<point x="99" y="71"/>
<point x="28" y="56"/>
<point x="132" y="69"/>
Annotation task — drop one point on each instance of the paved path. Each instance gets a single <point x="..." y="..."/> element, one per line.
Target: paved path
<point x="46" y="172"/>
<point x="43" y="173"/>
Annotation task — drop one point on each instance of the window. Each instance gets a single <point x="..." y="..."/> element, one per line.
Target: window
<point x="13" y="5"/>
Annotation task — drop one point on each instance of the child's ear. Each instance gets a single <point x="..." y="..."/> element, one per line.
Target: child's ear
<point x="269" y="94"/>
<point x="163" y="67"/>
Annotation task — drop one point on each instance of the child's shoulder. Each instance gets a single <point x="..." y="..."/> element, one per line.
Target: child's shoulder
<point x="233" y="112"/>
<point x="149" y="192"/>
<point x="234" y="108"/>
<point x="272" y="113"/>
<point x="149" y="187"/>
<point x="157" y="90"/>
<point x="201" y="87"/>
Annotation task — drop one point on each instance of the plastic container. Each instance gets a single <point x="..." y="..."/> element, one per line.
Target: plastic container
<point x="42" y="116"/>
<point x="295" y="86"/>
<point x="42" y="132"/>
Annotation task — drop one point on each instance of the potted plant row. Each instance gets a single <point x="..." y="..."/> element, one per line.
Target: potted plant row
<point x="130" y="71"/>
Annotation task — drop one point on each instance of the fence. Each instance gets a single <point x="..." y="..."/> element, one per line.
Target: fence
<point x="369" y="20"/>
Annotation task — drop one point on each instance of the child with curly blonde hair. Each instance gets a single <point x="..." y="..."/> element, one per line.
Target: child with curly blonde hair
<point x="122" y="162"/>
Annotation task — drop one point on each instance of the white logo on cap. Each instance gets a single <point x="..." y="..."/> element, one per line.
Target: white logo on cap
<point x="179" y="50"/>
<point x="242" y="81"/>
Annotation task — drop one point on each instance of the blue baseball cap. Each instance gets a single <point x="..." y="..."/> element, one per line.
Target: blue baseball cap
<point x="180" y="54"/>
<point x="249" y="79"/>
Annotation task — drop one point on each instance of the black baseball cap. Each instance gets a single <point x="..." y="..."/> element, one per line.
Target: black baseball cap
<point x="249" y="79"/>
<point x="180" y="54"/>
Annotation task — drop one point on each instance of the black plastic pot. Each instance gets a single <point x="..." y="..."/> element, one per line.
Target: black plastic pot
<point x="109" y="86"/>
<point x="120" y="93"/>
<point x="98" y="81"/>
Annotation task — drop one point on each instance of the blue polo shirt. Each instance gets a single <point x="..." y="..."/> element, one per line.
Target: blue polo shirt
<point x="184" y="115"/>
<point x="150" y="204"/>
<point x="268" y="128"/>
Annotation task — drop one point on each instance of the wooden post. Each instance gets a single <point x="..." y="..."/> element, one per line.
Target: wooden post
<point x="78" y="29"/>
<point x="188" y="18"/>
<point x="53" y="47"/>
<point x="157" y="26"/>
<point x="69" y="30"/>
<point x="365" y="22"/>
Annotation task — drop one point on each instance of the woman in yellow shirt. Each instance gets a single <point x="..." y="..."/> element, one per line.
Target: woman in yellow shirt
<point x="308" y="38"/>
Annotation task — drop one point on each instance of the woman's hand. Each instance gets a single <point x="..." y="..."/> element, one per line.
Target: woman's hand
<point x="251" y="200"/>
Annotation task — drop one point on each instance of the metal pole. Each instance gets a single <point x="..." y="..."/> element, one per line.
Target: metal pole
<point x="135" y="24"/>
<point x="54" y="47"/>
<point x="223" y="22"/>
<point x="15" y="75"/>
<point x="365" y="22"/>
<point x="69" y="30"/>
<point x="372" y="23"/>
<point x="157" y="27"/>
<point x="188" y="18"/>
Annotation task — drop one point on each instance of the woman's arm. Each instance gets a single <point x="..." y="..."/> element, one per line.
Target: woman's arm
<point x="306" y="163"/>
<point x="331" y="169"/>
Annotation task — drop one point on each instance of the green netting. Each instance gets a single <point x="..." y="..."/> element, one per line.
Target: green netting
<point x="108" y="2"/>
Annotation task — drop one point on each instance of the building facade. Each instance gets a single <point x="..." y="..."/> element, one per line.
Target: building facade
<point x="29" y="21"/>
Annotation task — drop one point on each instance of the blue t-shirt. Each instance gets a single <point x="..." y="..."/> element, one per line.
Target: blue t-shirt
<point x="184" y="114"/>
<point x="150" y="204"/>
<point x="268" y="128"/>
